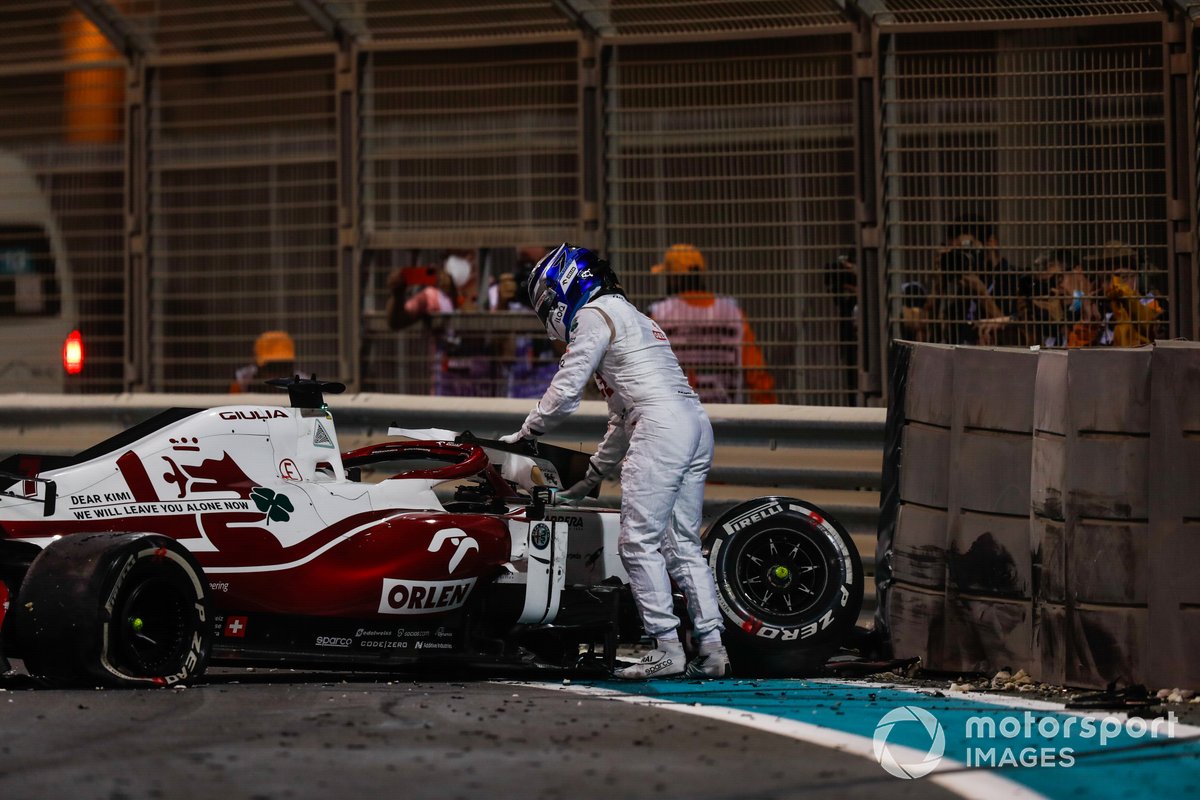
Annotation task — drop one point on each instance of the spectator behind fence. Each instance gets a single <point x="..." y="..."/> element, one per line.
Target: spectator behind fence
<point x="1042" y="303"/>
<point x="709" y="333"/>
<point x="1059" y="303"/>
<point x="1002" y="280"/>
<point x="841" y="279"/>
<point x="274" y="357"/>
<point x="530" y="359"/>
<point x="462" y="365"/>
<point x="1132" y="307"/>
<point x="964" y="302"/>
<point x="914" y="312"/>
<point x="1080" y="309"/>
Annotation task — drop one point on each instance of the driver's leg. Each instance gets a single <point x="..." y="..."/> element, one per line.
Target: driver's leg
<point x="681" y="546"/>
<point x="650" y="479"/>
<point x="687" y="566"/>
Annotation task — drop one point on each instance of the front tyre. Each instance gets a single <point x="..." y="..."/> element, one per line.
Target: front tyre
<point x="119" y="609"/>
<point x="789" y="583"/>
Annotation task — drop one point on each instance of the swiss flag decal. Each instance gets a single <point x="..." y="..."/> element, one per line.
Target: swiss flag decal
<point x="235" y="627"/>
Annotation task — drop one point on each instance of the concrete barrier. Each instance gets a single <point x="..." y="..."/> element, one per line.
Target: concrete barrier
<point x="1049" y="514"/>
<point x="1173" y="591"/>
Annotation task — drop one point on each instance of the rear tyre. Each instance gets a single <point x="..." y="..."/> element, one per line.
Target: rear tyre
<point x="789" y="584"/>
<point x="118" y="609"/>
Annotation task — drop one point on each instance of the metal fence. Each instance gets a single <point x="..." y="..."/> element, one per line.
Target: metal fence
<point x="1031" y="161"/>
<point x="472" y="149"/>
<point x="62" y="122"/>
<point x="967" y="170"/>
<point x="747" y="154"/>
<point x="242" y="216"/>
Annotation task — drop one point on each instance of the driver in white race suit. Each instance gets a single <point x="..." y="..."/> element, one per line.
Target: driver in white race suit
<point x="657" y="423"/>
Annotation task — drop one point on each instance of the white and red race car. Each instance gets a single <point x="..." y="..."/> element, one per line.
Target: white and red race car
<point x="241" y="535"/>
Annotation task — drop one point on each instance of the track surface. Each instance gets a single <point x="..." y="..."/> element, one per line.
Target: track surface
<point x="298" y="735"/>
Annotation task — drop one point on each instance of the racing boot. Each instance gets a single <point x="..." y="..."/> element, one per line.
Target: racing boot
<point x="711" y="662"/>
<point x="665" y="660"/>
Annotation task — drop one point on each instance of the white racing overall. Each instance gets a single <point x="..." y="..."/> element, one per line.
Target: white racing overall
<point x="669" y="452"/>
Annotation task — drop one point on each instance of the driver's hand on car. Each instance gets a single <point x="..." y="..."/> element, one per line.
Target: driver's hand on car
<point x="574" y="494"/>
<point x="513" y="438"/>
<point x="567" y="497"/>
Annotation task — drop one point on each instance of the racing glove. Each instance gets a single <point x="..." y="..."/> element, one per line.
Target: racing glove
<point x="525" y="434"/>
<point x="568" y="497"/>
<point x="573" y="494"/>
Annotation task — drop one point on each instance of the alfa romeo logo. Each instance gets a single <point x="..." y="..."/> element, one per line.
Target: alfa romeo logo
<point x="540" y="536"/>
<point x="917" y="719"/>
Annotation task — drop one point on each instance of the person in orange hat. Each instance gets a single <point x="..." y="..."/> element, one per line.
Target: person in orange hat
<point x="274" y="357"/>
<point x="709" y="332"/>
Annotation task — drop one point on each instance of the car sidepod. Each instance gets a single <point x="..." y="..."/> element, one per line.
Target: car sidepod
<point x="398" y="587"/>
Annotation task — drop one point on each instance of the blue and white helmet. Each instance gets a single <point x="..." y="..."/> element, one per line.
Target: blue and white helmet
<point x="563" y="281"/>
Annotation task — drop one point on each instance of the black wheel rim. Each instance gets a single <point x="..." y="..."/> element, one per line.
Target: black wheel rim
<point x="151" y="630"/>
<point x="781" y="574"/>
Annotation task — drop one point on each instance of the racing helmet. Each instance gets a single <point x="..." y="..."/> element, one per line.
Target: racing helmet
<point x="563" y="281"/>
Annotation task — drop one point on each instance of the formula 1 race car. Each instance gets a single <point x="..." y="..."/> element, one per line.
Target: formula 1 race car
<point x="241" y="535"/>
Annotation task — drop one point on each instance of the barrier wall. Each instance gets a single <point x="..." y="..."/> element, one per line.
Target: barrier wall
<point x="1046" y="508"/>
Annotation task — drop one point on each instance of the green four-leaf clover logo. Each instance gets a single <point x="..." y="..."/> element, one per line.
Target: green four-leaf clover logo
<point x="276" y="506"/>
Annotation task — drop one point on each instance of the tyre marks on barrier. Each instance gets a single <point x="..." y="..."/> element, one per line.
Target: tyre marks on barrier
<point x="1110" y="756"/>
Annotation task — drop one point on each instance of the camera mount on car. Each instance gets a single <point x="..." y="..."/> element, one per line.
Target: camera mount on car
<point x="307" y="392"/>
<point x="540" y="497"/>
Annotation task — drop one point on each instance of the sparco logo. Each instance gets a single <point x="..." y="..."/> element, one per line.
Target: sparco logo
<point x="750" y="517"/>
<point x="334" y="641"/>
<point x="423" y="597"/>
<point x="660" y="666"/>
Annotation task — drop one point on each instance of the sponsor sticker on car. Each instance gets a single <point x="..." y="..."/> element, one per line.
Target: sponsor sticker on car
<point x="540" y="537"/>
<point x="423" y="597"/>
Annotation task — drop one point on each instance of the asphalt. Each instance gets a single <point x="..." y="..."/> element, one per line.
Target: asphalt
<point x="269" y="734"/>
<point x="286" y="734"/>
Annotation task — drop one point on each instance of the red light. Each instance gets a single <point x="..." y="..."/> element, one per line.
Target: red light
<point x="73" y="353"/>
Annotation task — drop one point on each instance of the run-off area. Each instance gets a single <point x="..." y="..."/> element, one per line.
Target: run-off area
<point x="295" y="734"/>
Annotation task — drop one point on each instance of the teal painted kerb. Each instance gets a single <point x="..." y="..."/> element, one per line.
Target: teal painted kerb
<point x="1125" y="767"/>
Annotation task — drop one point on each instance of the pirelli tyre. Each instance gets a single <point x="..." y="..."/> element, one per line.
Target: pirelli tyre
<point x="117" y="609"/>
<point x="789" y="583"/>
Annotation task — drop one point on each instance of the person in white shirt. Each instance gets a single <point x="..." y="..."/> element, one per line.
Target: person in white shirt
<point x="657" y="423"/>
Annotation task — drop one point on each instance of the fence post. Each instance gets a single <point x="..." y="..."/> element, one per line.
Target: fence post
<point x="872" y="328"/>
<point x="349" y="277"/>
<point x="1178" y="87"/>
<point x="136" y="331"/>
